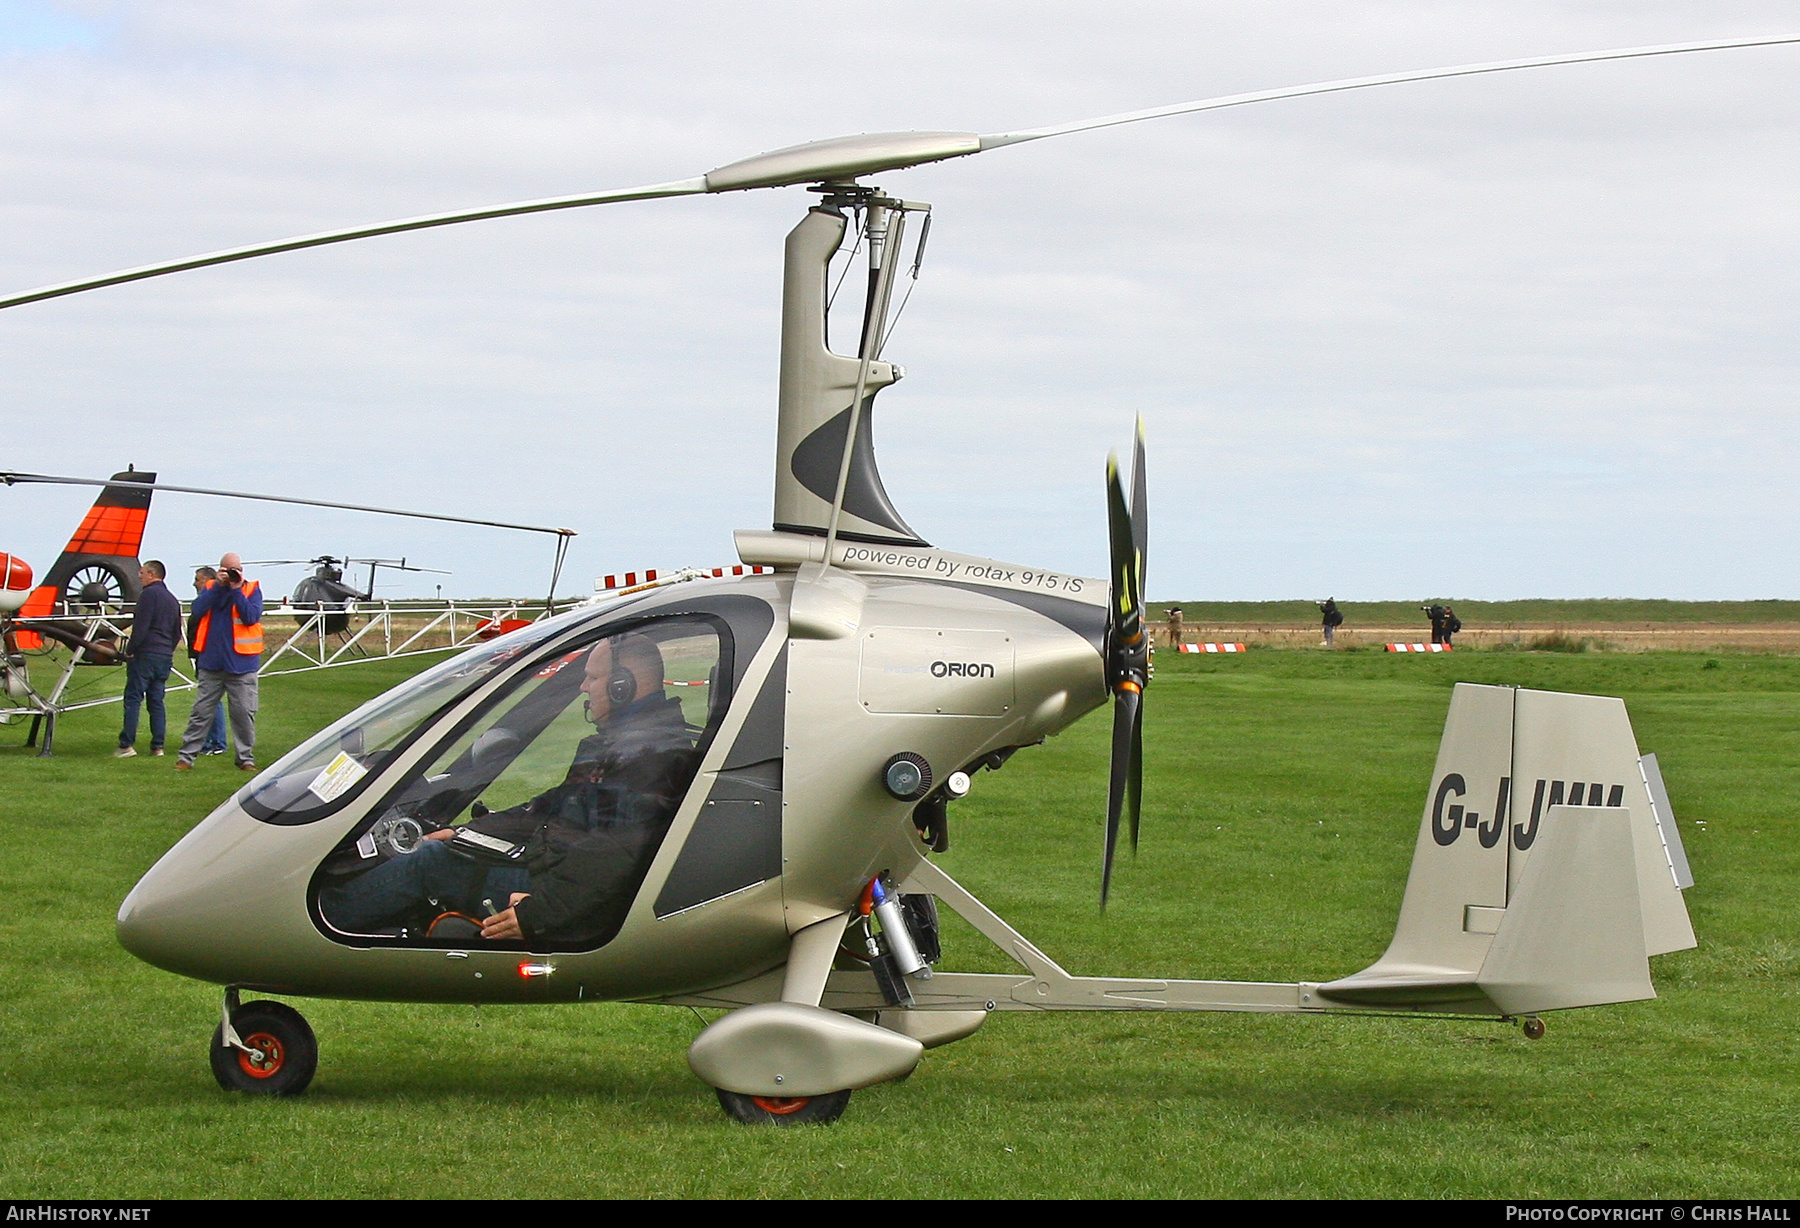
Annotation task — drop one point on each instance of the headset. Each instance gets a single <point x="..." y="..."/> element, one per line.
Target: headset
<point x="621" y="689"/>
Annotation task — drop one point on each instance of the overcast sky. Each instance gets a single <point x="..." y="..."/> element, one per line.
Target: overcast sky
<point x="1514" y="336"/>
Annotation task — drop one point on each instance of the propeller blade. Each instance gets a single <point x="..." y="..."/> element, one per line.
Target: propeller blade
<point x="999" y="139"/>
<point x="1127" y="656"/>
<point x="1126" y="612"/>
<point x="1140" y="511"/>
<point x="1134" y="785"/>
<point x="1126" y="704"/>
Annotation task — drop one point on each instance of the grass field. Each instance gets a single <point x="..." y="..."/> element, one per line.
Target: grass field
<point x="1538" y="612"/>
<point x="1283" y="797"/>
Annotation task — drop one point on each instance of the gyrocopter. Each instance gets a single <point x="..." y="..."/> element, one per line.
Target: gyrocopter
<point x="725" y="792"/>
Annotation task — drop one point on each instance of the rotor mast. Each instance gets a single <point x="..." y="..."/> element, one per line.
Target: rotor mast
<point x="826" y="479"/>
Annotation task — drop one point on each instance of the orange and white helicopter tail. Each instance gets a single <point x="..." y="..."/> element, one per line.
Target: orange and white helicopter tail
<point x="1548" y="867"/>
<point x="100" y="563"/>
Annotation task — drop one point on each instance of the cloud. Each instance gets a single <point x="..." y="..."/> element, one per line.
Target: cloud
<point x="1497" y="337"/>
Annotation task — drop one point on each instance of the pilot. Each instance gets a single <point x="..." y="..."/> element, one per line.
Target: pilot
<point x="588" y="842"/>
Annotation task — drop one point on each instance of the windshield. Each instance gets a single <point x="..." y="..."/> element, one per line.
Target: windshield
<point x="546" y="804"/>
<point x="327" y="771"/>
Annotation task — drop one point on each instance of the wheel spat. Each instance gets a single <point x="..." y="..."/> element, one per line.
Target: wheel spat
<point x="1127" y="650"/>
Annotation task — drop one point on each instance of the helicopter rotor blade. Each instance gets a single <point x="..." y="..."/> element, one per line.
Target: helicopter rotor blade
<point x="9" y="478"/>
<point x="999" y="139"/>
<point x="842" y="159"/>
<point x="684" y="187"/>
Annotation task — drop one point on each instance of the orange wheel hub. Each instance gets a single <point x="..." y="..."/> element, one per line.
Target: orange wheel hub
<point x="781" y="1106"/>
<point x="273" y="1057"/>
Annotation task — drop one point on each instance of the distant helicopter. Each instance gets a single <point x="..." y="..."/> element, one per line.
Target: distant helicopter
<point x="97" y="571"/>
<point x="724" y="792"/>
<point x="87" y="599"/>
<point x="327" y="590"/>
<point x="92" y="586"/>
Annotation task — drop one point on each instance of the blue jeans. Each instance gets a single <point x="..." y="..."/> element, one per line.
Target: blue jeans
<point x="145" y="678"/>
<point x="403" y="886"/>
<point x="215" y="737"/>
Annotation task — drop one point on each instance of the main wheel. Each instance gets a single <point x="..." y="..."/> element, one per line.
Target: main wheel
<point x="286" y="1052"/>
<point x="783" y="1110"/>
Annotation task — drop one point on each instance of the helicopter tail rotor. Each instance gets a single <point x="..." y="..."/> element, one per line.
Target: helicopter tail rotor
<point x="1127" y="650"/>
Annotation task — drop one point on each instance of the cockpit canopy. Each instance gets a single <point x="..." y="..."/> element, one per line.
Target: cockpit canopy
<point x="548" y="764"/>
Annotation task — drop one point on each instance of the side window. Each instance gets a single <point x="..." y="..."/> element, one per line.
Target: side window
<point x="558" y="794"/>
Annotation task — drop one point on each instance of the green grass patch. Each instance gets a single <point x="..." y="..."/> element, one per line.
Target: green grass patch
<point x="1536" y="612"/>
<point x="1283" y="796"/>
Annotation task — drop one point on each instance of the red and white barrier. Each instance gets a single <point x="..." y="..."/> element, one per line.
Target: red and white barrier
<point x="1214" y="648"/>
<point x="632" y="579"/>
<point x="1418" y="647"/>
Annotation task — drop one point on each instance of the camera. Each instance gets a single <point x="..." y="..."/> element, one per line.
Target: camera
<point x="232" y="575"/>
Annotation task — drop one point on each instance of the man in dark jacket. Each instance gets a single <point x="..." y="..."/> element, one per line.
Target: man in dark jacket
<point x="586" y="843"/>
<point x="1331" y="618"/>
<point x="149" y="654"/>
<point x="1437" y="614"/>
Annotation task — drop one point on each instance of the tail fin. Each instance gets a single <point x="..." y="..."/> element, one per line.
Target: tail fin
<point x="1544" y="874"/>
<point x="102" y="556"/>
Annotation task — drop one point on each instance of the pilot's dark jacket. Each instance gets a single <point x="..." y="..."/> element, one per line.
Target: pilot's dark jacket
<point x="589" y="841"/>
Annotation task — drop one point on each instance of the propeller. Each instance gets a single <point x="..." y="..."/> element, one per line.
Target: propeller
<point x="1127" y="649"/>
<point x="847" y="157"/>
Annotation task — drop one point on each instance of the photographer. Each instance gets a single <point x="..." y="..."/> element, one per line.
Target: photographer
<point x="215" y="737"/>
<point x="1439" y="617"/>
<point x="228" y="643"/>
<point x="1331" y="618"/>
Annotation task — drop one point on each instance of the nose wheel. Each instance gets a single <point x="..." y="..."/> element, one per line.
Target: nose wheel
<point x="275" y="1053"/>
<point x="783" y="1110"/>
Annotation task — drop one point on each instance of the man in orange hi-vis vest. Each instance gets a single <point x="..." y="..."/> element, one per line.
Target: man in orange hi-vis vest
<point x="228" y="644"/>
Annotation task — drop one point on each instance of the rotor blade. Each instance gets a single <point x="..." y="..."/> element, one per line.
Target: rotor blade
<point x="846" y="158"/>
<point x="45" y="479"/>
<point x="998" y="139"/>
<point x="1125" y="709"/>
<point x="1126" y="613"/>
<point x="681" y="187"/>
<point x="1140" y="510"/>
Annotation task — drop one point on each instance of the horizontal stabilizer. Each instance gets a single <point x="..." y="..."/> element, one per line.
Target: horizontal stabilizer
<point x="1423" y="989"/>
